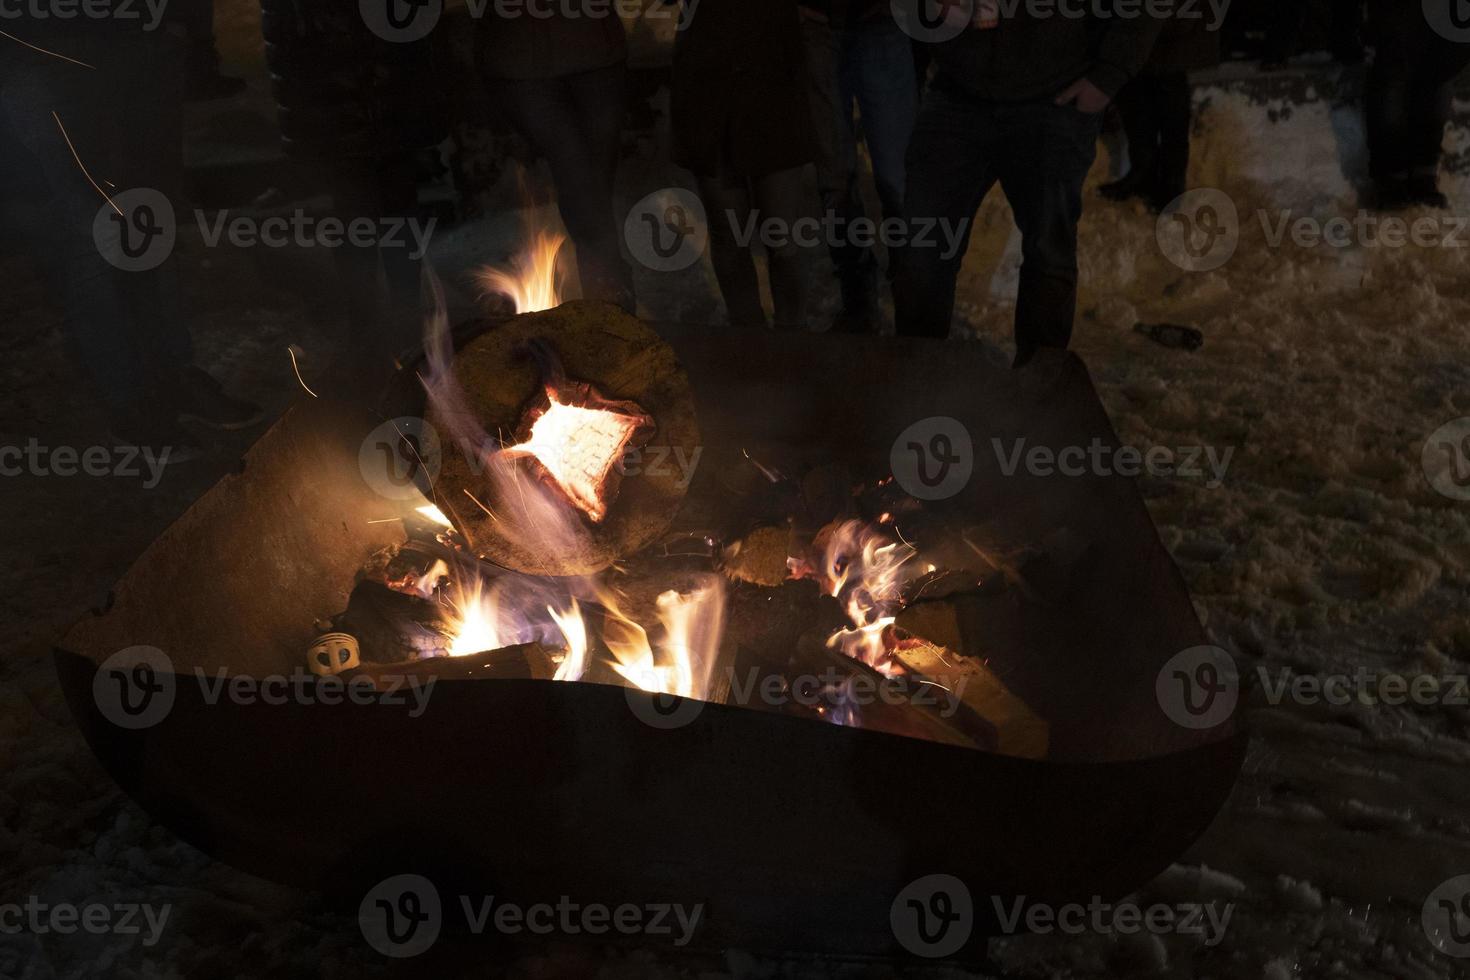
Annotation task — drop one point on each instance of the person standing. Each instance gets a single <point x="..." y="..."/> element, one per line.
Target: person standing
<point x="1018" y="101"/>
<point x="742" y="125"/>
<point x="560" y="73"/>
<point x="1157" y="110"/>
<point x="1408" y="104"/>
<point x="858" y="57"/>
<point x="356" y="112"/>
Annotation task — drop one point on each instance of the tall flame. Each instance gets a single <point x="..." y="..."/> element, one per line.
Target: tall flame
<point x="684" y="661"/>
<point x="531" y="282"/>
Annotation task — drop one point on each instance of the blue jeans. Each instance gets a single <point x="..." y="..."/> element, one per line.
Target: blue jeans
<point x="1039" y="153"/>
<point x="124" y="117"/>
<point x="869" y="65"/>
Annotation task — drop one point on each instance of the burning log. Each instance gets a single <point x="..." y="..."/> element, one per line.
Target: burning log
<point x="528" y="661"/>
<point x="816" y="681"/>
<point x="947" y="637"/>
<point x="1019" y="731"/>
<point x="553" y="477"/>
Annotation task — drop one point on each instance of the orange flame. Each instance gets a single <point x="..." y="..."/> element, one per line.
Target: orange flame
<point x="531" y="282"/>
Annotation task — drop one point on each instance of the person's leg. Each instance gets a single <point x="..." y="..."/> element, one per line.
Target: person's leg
<point x="879" y="73"/>
<point x="601" y="102"/>
<point x="782" y="195"/>
<point x="727" y="205"/>
<point x="1347" y="31"/>
<point x="204" y="78"/>
<point x="1175" y="117"/>
<point x="1138" y="104"/>
<point x="881" y="77"/>
<point x="950" y="168"/>
<point x="1388" y="100"/>
<point x="1048" y="152"/>
<point x="837" y="172"/>
<point x="1428" y="112"/>
<point x="575" y="123"/>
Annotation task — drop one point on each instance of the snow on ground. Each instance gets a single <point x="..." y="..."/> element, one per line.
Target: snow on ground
<point x="1323" y="550"/>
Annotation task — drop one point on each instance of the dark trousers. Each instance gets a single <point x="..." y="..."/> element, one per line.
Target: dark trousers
<point x="576" y="123"/>
<point x="870" y="66"/>
<point x="1408" y="93"/>
<point x="1040" y="154"/>
<point x="1156" y="108"/>
<point x="1287" y="22"/>
<point x="731" y="204"/>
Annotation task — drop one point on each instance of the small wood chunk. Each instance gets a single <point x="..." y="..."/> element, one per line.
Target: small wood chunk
<point x="759" y="557"/>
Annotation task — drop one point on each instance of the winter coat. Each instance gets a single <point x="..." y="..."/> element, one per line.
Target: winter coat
<point x="344" y="92"/>
<point x="1034" y="55"/>
<point x="739" y="106"/>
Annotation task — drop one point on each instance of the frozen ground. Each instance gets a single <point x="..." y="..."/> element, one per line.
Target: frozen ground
<point x="1324" y="550"/>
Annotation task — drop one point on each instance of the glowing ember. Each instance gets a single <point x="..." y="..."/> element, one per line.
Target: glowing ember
<point x="579" y="448"/>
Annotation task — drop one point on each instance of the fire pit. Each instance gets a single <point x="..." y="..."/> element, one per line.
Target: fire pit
<point x="602" y="721"/>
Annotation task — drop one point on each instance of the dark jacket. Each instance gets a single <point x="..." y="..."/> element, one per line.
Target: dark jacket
<point x="1185" y="44"/>
<point x="343" y="93"/>
<point x="1033" y="57"/>
<point x="739" y="106"/>
<point x="525" y="46"/>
